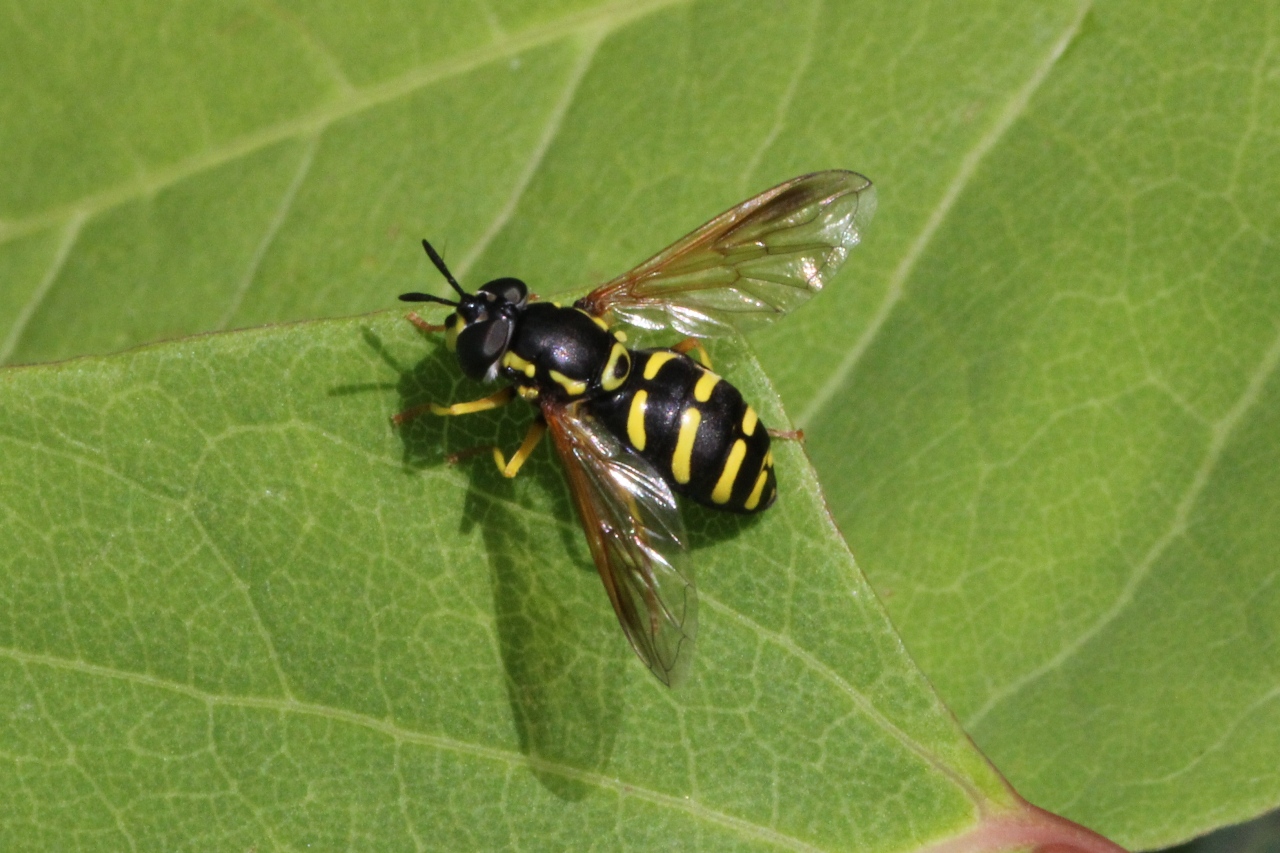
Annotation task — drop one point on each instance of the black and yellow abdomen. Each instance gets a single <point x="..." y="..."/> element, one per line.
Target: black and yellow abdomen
<point x="694" y="428"/>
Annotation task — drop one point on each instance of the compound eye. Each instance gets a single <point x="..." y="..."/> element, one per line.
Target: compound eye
<point x="511" y="290"/>
<point x="495" y="339"/>
<point x="480" y="345"/>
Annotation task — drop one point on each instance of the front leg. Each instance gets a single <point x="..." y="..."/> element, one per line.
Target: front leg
<point x="493" y="401"/>
<point x="422" y="325"/>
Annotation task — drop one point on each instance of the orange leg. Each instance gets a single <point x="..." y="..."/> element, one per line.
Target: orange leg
<point x="694" y="344"/>
<point x="787" y="434"/>
<point x="421" y="324"/>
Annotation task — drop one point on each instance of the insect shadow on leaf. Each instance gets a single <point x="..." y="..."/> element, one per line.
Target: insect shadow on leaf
<point x="350" y="389"/>
<point x="565" y="667"/>
<point x="564" y="663"/>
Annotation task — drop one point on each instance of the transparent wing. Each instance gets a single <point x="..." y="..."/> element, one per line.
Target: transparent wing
<point x="750" y="264"/>
<point x="636" y="537"/>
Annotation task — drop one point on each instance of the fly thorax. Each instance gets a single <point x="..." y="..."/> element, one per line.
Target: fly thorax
<point x="563" y="351"/>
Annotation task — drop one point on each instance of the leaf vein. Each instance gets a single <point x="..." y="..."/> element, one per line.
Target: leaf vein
<point x="785" y="102"/>
<point x="859" y="700"/>
<point x="399" y="735"/>
<point x="1219" y="436"/>
<point x="604" y="19"/>
<point x="1013" y="110"/>
<point x="273" y="228"/>
<point x="70" y="233"/>
<point x="555" y="121"/>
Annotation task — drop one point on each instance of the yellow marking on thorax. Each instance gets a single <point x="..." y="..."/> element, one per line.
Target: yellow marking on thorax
<point x="601" y="323"/>
<point x="749" y="421"/>
<point x="655" y="363"/>
<point x="620" y="336"/>
<point x="706" y="384"/>
<point x="452" y="325"/>
<point x="515" y="362"/>
<point x="635" y="420"/>
<point x="572" y="387"/>
<point x="609" y="378"/>
<point x="753" y="499"/>
<point x="724" y="486"/>
<point x="680" y="460"/>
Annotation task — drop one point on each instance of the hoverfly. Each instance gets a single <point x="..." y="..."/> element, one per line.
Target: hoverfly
<point x="633" y="426"/>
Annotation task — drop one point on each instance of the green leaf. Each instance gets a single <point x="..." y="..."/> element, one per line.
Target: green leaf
<point x="245" y="609"/>
<point x="1040" y="400"/>
<point x="1261" y="835"/>
<point x="1055" y="449"/>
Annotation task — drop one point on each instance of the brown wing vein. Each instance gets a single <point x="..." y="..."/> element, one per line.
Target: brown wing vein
<point x="752" y="263"/>
<point x="636" y="537"/>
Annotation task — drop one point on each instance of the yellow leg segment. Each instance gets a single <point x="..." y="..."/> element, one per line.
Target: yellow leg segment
<point x="531" y="438"/>
<point x="484" y="404"/>
<point x="493" y="401"/>
<point x="694" y="344"/>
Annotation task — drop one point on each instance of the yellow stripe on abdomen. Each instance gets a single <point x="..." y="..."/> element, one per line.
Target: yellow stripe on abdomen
<point x="706" y="384"/>
<point x="635" y="420"/>
<point x="753" y="500"/>
<point x="655" y="363"/>
<point x="724" y="486"/>
<point x="681" y="459"/>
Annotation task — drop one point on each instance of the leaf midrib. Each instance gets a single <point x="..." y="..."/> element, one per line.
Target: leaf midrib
<point x="1014" y="108"/>
<point x="859" y="701"/>
<point x="510" y="758"/>
<point x="597" y="23"/>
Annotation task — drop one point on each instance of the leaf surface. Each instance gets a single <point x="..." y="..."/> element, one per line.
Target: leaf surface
<point x="243" y="610"/>
<point x="1041" y="398"/>
<point x="1055" y="451"/>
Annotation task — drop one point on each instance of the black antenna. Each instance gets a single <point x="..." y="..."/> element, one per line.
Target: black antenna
<point x="444" y="271"/>
<point x="425" y="297"/>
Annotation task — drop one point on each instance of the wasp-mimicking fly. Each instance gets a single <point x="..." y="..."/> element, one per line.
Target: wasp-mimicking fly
<point x="634" y="426"/>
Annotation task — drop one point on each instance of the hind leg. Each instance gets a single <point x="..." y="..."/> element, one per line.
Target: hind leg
<point x="688" y="344"/>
